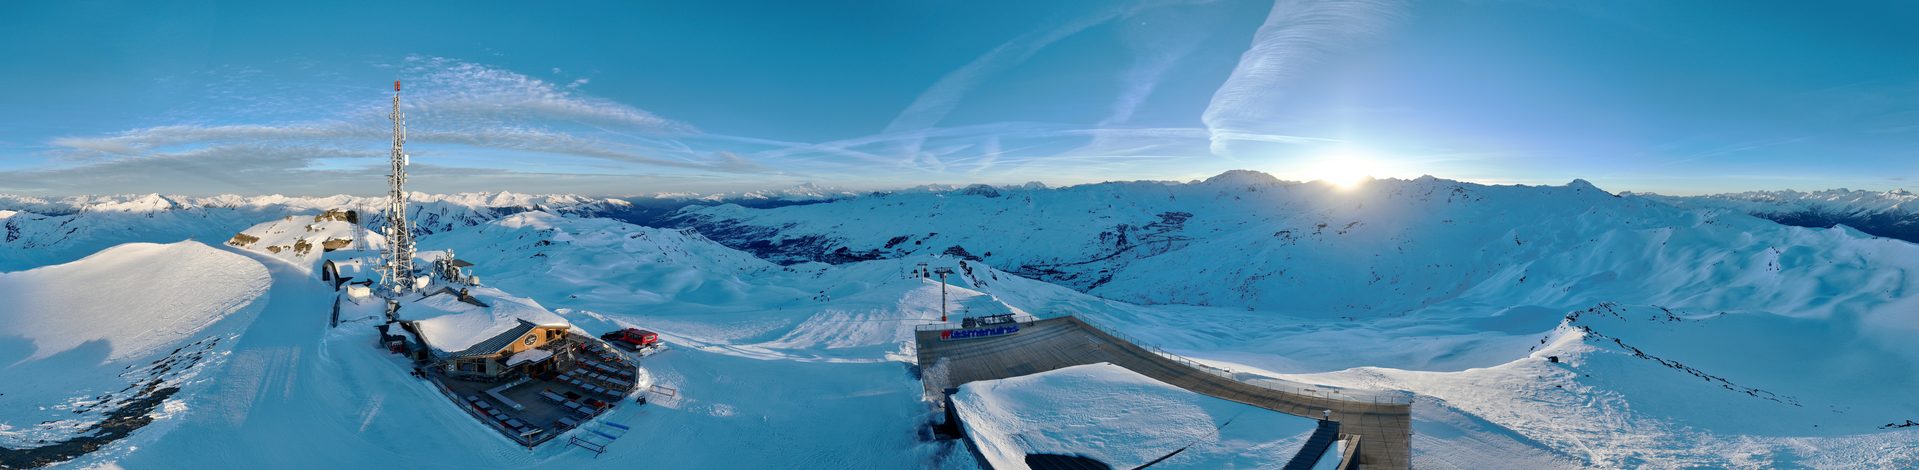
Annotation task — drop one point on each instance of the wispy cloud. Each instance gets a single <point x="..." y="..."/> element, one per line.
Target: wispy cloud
<point x="1736" y="148"/>
<point x="448" y="102"/>
<point x="1297" y="33"/>
<point x="459" y="91"/>
<point x="939" y="100"/>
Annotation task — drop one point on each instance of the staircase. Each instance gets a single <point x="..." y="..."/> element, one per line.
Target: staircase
<point x="1316" y="446"/>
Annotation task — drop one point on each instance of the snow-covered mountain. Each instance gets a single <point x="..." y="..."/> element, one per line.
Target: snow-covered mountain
<point x="1892" y="214"/>
<point x="1246" y="240"/>
<point x="40" y="231"/>
<point x="1540" y="327"/>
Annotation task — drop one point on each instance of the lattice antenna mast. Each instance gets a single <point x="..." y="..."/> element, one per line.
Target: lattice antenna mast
<point x="397" y="271"/>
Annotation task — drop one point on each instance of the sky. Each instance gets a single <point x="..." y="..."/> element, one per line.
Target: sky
<point x="674" y="96"/>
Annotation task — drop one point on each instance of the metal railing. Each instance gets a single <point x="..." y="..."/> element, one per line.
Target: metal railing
<point x="1022" y="320"/>
<point x="1378" y="397"/>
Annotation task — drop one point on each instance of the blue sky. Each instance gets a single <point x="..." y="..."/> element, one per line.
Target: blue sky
<point x="619" y="98"/>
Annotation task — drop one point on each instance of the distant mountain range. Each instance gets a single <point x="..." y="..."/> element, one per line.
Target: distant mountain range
<point x="1890" y="214"/>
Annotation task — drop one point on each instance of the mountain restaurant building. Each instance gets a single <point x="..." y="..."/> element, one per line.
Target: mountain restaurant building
<point x="505" y="339"/>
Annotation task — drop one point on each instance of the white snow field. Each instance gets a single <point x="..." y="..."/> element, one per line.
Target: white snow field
<point x="1118" y="417"/>
<point x="79" y="340"/>
<point x="1684" y="337"/>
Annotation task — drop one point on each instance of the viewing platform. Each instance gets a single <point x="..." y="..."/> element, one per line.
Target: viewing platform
<point x="951" y="355"/>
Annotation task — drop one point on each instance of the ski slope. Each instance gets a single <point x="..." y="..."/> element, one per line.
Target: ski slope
<point x="80" y="340"/>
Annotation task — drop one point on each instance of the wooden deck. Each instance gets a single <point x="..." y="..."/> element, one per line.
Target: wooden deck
<point x="536" y="409"/>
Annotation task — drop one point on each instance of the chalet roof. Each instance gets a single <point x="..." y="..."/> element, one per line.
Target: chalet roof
<point x="453" y="327"/>
<point x="495" y="343"/>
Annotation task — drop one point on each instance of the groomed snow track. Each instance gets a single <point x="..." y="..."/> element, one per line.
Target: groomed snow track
<point x="1054" y="343"/>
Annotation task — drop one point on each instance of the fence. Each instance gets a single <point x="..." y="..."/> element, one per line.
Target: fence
<point x="1022" y="320"/>
<point x="1330" y="393"/>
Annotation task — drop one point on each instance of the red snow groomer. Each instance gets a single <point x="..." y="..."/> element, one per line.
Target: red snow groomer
<point x="634" y="339"/>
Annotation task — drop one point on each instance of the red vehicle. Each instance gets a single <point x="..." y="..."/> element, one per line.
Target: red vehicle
<point x="633" y="338"/>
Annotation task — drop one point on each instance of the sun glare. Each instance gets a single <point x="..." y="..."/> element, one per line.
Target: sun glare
<point x="1344" y="172"/>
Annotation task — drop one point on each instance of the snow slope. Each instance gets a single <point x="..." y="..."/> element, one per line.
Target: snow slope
<point x="1644" y="386"/>
<point x="114" y="327"/>
<point x="1118" y="417"/>
<point x="137" y="298"/>
<point x="699" y="292"/>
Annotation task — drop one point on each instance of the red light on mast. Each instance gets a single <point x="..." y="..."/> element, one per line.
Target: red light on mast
<point x="396" y="85"/>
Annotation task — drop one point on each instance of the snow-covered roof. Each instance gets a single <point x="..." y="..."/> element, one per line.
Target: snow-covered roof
<point x="455" y="328"/>
<point x="530" y="355"/>
<point x="1119" y="417"/>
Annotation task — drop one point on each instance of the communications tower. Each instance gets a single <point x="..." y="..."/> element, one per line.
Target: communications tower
<point x="396" y="267"/>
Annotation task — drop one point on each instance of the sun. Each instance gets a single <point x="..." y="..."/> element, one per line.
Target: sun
<point x="1342" y="171"/>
